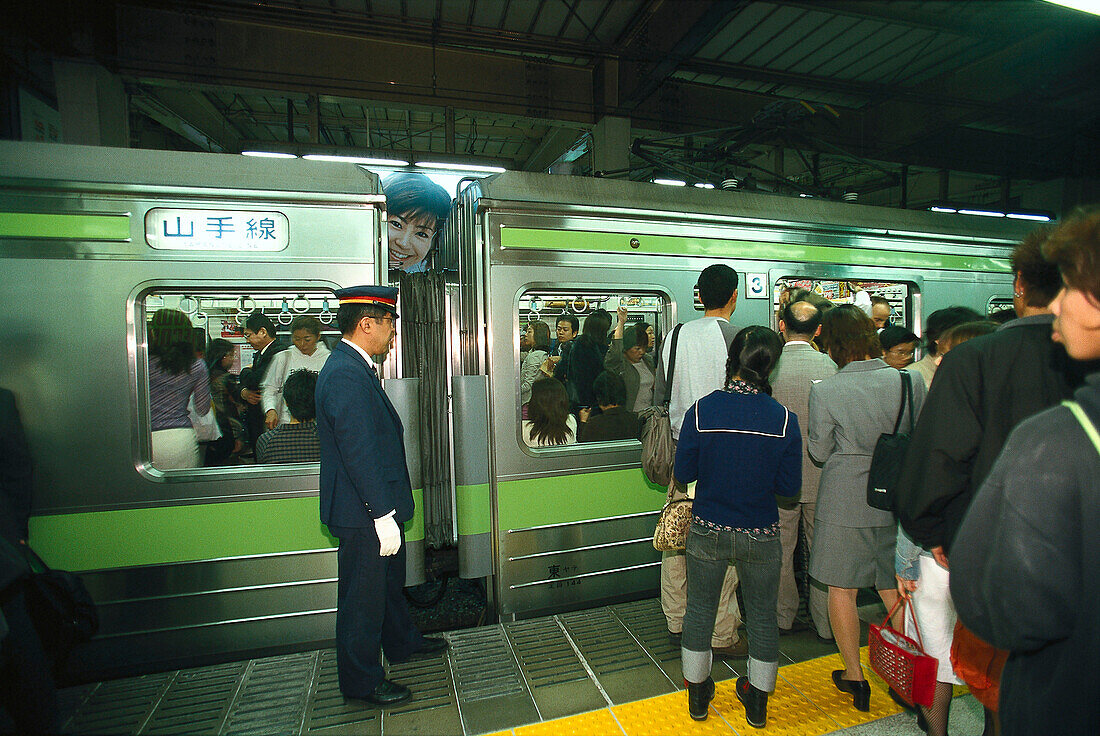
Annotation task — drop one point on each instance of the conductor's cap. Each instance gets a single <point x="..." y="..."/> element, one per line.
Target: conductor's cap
<point x="381" y="296"/>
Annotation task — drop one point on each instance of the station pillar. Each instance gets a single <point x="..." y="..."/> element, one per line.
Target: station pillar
<point x="611" y="144"/>
<point x="92" y="104"/>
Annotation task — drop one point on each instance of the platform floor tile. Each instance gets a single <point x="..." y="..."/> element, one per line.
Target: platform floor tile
<point x="667" y="714"/>
<point x="813" y="678"/>
<point x="593" y="723"/>
<point x="790" y="713"/>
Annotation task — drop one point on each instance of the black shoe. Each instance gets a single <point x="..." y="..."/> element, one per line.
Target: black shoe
<point x="755" y="702"/>
<point x="675" y="636"/>
<point x="386" y="693"/>
<point x="699" y="697"/>
<point x="433" y="645"/>
<point x="859" y="689"/>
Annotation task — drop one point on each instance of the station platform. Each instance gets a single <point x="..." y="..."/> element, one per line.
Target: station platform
<point x="609" y="670"/>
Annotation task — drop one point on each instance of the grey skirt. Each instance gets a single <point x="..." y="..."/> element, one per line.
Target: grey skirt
<point x="853" y="557"/>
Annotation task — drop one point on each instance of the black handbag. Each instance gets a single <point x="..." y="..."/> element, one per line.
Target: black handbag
<point x="890" y="454"/>
<point x="61" y="608"/>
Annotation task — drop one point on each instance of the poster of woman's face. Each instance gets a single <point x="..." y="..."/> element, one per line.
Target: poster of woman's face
<point x="417" y="207"/>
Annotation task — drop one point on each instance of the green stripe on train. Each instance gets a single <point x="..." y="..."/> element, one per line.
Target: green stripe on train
<point x="577" y="497"/>
<point x="589" y="241"/>
<point x="472" y="504"/>
<point x="70" y="227"/>
<point x="99" y="540"/>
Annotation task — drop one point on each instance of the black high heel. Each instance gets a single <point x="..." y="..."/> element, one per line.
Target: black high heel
<point x="860" y="690"/>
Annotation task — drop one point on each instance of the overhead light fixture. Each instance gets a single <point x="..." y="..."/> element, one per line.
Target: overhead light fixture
<point x="364" y="160"/>
<point x="1085" y="6"/>
<point x="1028" y="216"/>
<point x="703" y="185"/>
<point x="268" y="154"/>
<point x="948" y="210"/>
<point x="981" y="213"/>
<point x="461" y="167"/>
<point x="670" y="182"/>
<point x="806" y="196"/>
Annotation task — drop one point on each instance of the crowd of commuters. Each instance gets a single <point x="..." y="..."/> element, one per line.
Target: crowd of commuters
<point x="995" y="510"/>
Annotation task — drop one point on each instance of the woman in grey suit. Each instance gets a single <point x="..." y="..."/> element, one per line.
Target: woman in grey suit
<point x="853" y="543"/>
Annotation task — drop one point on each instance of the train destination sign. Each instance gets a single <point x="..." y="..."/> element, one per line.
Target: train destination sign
<point x="232" y="230"/>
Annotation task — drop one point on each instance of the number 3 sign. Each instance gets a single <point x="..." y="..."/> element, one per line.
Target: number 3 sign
<point x="756" y="286"/>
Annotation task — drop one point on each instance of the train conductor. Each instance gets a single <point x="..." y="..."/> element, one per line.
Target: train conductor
<point x="365" y="497"/>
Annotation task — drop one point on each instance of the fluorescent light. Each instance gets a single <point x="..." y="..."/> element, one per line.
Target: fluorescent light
<point x="1085" y="6"/>
<point x="982" y="213"/>
<point x="949" y="210"/>
<point x="461" y="167"/>
<point x="703" y="185"/>
<point x="807" y="196"/>
<point x="1023" y="216"/>
<point x="670" y="182"/>
<point x="365" y="160"/>
<point x="268" y="154"/>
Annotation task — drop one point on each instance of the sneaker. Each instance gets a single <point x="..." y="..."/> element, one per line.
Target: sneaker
<point x="699" y="696"/>
<point x="755" y="702"/>
<point x="737" y="650"/>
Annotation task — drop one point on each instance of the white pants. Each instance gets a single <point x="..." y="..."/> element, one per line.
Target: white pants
<point x="935" y="615"/>
<point x="175" y="448"/>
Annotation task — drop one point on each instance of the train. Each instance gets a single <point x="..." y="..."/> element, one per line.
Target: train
<point x="191" y="566"/>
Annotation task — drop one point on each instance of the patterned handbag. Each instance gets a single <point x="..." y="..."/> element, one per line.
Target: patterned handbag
<point x="900" y="661"/>
<point x="672" y="526"/>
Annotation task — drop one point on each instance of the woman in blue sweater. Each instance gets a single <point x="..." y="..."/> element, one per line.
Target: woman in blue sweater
<point x="744" y="449"/>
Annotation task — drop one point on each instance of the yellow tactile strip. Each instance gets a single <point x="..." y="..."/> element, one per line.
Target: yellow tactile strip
<point x="805" y="702"/>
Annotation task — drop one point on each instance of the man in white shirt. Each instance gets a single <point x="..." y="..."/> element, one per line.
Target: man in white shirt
<point x="799" y="368"/>
<point x="700" y="368"/>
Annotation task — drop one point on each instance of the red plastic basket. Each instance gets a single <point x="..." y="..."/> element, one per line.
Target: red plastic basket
<point x="901" y="662"/>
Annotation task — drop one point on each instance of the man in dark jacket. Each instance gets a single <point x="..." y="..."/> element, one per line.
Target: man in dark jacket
<point x="365" y="497"/>
<point x="983" y="389"/>
<point x="1026" y="558"/>
<point x="260" y="332"/>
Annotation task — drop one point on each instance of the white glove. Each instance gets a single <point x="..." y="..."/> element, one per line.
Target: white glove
<point x="389" y="535"/>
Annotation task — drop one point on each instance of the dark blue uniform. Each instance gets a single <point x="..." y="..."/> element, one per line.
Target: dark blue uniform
<point x="363" y="477"/>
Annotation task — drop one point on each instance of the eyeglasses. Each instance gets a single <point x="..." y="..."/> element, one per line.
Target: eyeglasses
<point x="901" y="353"/>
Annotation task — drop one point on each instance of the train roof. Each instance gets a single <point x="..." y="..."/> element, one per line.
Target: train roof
<point x="62" y="164"/>
<point x="519" y="188"/>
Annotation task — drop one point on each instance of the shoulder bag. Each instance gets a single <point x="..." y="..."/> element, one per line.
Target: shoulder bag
<point x="889" y="454"/>
<point x="658" y="454"/>
<point x="672" y="526"/>
<point x="61" y="607"/>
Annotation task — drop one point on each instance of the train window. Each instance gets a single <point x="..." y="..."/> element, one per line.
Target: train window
<point x="889" y="302"/>
<point x="585" y="364"/>
<point x="216" y="364"/>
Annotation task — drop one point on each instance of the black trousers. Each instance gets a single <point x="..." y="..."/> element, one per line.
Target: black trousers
<point x="27" y="690"/>
<point x="372" y="615"/>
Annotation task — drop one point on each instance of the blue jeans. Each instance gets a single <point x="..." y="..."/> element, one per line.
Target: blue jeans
<point x="758" y="559"/>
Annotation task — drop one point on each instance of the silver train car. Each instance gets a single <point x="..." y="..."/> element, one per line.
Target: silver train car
<point x="189" y="566"/>
<point x="570" y="525"/>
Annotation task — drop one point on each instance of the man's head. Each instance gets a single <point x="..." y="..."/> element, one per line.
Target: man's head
<point x="880" y="311"/>
<point x="944" y="319"/>
<point x="898" y="346"/>
<point x="259" y="330"/>
<point x="567" y="327"/>
<point x="718" y="288"/>
<point x="800" y="321"/>
<point x="1037" y="279"/>
<point x="368" y="317"/>
<point x="609" y="389"/>
<point x="298" y="390"/>
<point x="416" y="209"/>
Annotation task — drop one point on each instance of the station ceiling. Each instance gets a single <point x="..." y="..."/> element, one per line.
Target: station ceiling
<point x="818" y="94"/>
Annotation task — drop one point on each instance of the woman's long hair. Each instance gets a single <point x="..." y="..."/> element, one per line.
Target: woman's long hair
<point x="215" y="351"/>
<point x="752" y="357"/>
<point x="548" y="411"/>
<point x="171" y="340"/>
<point x="848" y="334"/>
<point x="596" y="326"/>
